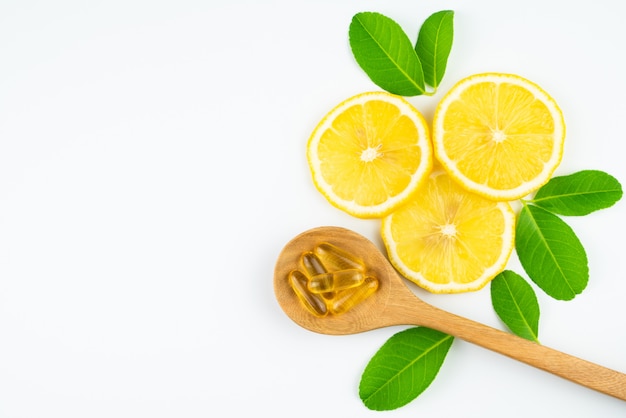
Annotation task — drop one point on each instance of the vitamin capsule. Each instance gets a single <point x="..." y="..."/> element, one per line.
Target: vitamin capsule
<point x="312" y="264"/>
<point x="346" y="299"/>
<point x="335" y="258"/>
<point x="312" y="302"/>
<point x="335" y="281"/>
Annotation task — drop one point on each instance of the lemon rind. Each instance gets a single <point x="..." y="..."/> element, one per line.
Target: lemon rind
<point x="420" y="175"/>
<point x="524" y="188"/>
<point x="508" y="240"/>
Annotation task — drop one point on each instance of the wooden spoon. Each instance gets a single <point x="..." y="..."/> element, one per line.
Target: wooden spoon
<point x="395" y="304"/>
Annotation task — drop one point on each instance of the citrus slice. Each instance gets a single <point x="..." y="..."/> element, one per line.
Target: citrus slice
<point x="499" y="135"/>
<point x="447" y="239"/>
<point x="370" y="153"/>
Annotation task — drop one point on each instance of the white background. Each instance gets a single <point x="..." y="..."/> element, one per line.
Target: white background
<point x="152" y="166"/>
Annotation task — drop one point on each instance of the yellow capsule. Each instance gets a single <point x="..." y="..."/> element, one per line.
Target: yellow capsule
<point x="346" y="299"/>
<point x="312" y="302"/>
<point x="335" y="258"/>
<point x="335" y="281"/>
<point x="312" y="264"/>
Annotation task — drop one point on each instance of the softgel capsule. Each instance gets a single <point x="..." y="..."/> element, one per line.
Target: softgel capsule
<point x="331" y="280"/>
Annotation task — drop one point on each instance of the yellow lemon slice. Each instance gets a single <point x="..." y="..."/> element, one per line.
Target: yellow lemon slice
<point x="499" y="135"/>
<point x="449" y="240"/>
<point x="370" y="153"/>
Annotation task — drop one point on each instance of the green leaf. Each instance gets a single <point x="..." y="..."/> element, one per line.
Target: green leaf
<point x="580" y="193"/>
<point x="403" y="368"/>
<point x="433" y="45"/>
<point x="515" y="302"/>
<point x="386" y="54"/>
<point x="551" y="253"/>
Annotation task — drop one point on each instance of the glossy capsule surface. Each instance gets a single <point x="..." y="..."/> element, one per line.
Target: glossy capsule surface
<point x="312" y="264"/>
<point x="334" y="258"/>
<point x="312" y="267"/>
<point x="347" y="299"/>
<point x="314" y="303"/>
<point x="331" y="281"/>
<point x="336" y="281"/>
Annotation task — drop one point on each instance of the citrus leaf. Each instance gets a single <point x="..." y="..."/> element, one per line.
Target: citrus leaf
<point x="433" y="45"/>
<point x="551" y="253"/>
<point x="580" y="193"/>
<point x="403" y="368"/>
<point x="386" y="54"/>
<point x="515" y="302"/>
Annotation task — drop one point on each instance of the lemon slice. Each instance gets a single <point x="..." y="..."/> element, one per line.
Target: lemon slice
<point x="447" y="239"/>
<point x="370" y="153"/>
<point x="499" y="135"/>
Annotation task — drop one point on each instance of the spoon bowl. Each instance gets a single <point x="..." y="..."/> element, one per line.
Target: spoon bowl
<point x="363" y="317"/>
<point x="395" y="304"/>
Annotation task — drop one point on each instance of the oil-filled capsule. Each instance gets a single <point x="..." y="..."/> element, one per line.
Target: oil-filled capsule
<point x="314" y="303"/>
<point x="312" y="265"/>
<point x="335" y="281"/>
<point x="334" y="258"/>
<point x="347" y="299"/>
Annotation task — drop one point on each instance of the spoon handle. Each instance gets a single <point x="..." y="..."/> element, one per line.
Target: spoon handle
<point x="577" y="370"/>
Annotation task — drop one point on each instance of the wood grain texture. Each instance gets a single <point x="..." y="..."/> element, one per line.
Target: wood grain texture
<point x="395" y="304"/>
